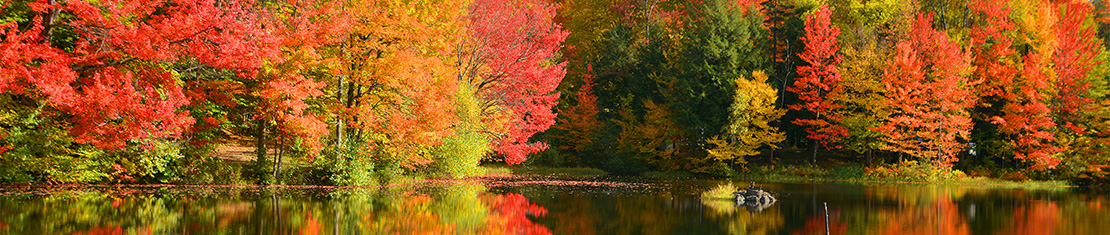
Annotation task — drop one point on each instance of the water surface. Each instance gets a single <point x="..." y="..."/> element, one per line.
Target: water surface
<point x="551" y="206"/>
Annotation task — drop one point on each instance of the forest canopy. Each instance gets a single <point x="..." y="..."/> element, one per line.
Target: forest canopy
<point x="355" y="92"/>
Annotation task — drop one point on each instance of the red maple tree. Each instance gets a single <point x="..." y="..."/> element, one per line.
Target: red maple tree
<point x="114" y="82"/>
<point x="930" y="95"/>
<point x="1076" y="52"/>
<point x="819" y="78"/>
<point x="510" y="64"/>
<point x="297" y="74"/>
<point x="1025" y="115"/>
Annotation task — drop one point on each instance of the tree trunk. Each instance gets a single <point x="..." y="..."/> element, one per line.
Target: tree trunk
<point x="339" y="117"/>
<point x="277" y="160"/>
<point x="869" y="158"/>
<point x="816" y="144"/>
<point x="260" y="151"/>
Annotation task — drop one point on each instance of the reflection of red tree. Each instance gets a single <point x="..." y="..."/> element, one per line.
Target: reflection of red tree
<point x="509" y="215"/>
<point x="1039" y="218"/>
<point x="816" y="225"/>
<point x="102" y="230"/>
<point x="311" y="225"/>
<point x="942" y="217"/>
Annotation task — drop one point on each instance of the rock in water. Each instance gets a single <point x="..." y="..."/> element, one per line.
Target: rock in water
<point x="754" y="198"/>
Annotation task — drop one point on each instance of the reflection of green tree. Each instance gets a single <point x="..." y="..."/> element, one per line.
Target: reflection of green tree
<point x="72" y="212"/>
<point x="459" y="205"/>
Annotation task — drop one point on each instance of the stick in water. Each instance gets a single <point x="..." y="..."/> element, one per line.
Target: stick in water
<point x="826" y="217"/>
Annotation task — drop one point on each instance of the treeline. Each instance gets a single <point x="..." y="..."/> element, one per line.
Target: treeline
<point x="359" y="92"/>
<point x="352" y="92"/>
<point x="704" y="85"/>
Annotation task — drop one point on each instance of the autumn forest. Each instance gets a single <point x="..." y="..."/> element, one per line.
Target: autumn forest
<point x="362" y="92"/>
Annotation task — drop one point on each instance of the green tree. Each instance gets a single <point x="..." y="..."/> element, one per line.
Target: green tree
<point x="725" y="42"/>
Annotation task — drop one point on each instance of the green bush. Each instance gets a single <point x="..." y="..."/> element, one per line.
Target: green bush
<point x="154" y="160"/>
<point x="848" y="172"/>
<point x="458" y="156"/>
<point x="351" y="171"/>
<point x="203" y="169"/>
<point x="306" y="174"/>
<point x="40" y="150"/>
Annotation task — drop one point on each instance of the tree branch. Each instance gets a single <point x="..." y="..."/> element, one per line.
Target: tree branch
<point x="100" y="66"/>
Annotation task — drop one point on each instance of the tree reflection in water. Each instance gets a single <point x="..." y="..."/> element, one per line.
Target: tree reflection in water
<point x="460" y="209"/>
<point x="472" y="208"/>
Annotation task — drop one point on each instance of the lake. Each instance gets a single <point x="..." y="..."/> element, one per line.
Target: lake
<point x="549" y="205"/>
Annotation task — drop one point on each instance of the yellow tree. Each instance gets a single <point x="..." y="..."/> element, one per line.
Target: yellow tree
<point x="748" y="129"/>
<point x="862" y="103"/>
<point x="398" y="93"/>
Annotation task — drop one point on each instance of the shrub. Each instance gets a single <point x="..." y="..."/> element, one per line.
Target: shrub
<point x="39" y="149"/>
<point x="351" y="171"/>
<point x="808" y="171"/>
<point x="914" y="171"/>
<point x="458" y="156"/>
<point x="1015" y="176"/>
<point x="848" y="172"/>
<point x="720" y="192"/>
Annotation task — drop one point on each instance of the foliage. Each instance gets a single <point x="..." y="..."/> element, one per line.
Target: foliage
<point x="1025" y="116"/>
<point x="914" y="171"/>
<point x="373" y="91"/>
<point x="930" y="94"/>
<point x="1079" y="102"/>
<point x="750" y="119"/>
<point x="114" y="80"/>
<point x="863" y="103"/>
<point x="652" y="139"/>
<point x="580" y="123"/>
<point x="819" y="77"/>
<point x="351" y="171"/>
<point x="508" y="60"/>
<point x="749" y="127"/>
<point x="42" y="151"/>
<point x="724" y="44"/>
<point x="399" y="62"/>
<point x="202" y="169"/>
<point x="863" y="12"/>
<point x="1074" y="57"/>
<point x="458" y="156"/>
<point x="719" y="192"/>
